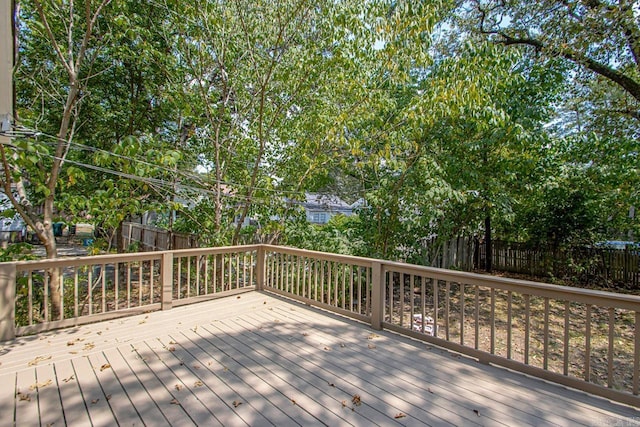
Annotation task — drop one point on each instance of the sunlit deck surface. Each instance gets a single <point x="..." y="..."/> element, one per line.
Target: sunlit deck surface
<point x="261" y="360"/>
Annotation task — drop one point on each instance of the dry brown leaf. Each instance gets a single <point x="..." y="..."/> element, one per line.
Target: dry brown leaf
<point x="342" y="345"/>
<point x="172" y="342"/>
<point x="196" y="366"/>
<point x="40" y="385"/>
<point x="236" y="403"/>
<point x="475" y="411"/>
<point x="238" y="297"/>
<point x="172" y="348"/>
<point x="66" y="380"/>
<point x="356" y="400"/>
<point x="198" y="384"/>
<point x="105" y="366"/>
<point x="23" y="396"/>
<point x="293" y="401"/>
<point x="178" y="387"/>
<point x="94" y="401"/>
<point x="88" y="346"/>
<point x="344" y="403"/>
<point x="38" y="360"/>
<point x="372" y="336"/>
<point x="429" y="390"/>
<point x="108" y="397"/>
<point x="305" y="334"/>
<point x="372" y="346"/>
<point x="331" y="384"/>
<point x="399" y="415"/>
<point x="327" y="348"/>
<point x="175" y="402"/>
<point x="264" y="302"/>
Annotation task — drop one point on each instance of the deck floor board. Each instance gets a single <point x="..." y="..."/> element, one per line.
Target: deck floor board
<point x="258" y="359"/>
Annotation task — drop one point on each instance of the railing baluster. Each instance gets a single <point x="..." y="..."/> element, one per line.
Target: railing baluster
<point x="128" y="285"/>
<point x="103" y="281"/>
<point x="140" y="281"/>
<point x="402" y="296"/>
<point x="509" y="322"/>
<point x="390" y="280"/>
<point x="610" y="353"/>
<point x="179" y="284"/>
<point x="545" y="356"/>
<point x="237" y="257"/>
<point x="90" y="289"/>
<point x="423" y="302"/>
<point x="461" y="313"/>
<point x="527" y="327"/>
<point x="75" y="293"/>
<point x="344" y="286"/>
<point x="636" y="354"/>
<point x="412" y="322"/>
<point x="587" y="345"/>
<point x="477" y="317"/>
<point x="447" y="302"/>
<point x="351" y="288"/>
<point x="151" y="280"/>
<point x="214" y="278"/>
<point x="30" y="296"/>
<point x="359" y="270"/>
<point x="567" y="326"/>
<point x="206" y="274"/>
<point x="436" y="303"/>
<point x="61" y="285"/>
<point x="492" y="321"/>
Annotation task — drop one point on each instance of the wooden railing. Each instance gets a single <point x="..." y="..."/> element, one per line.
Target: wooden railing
<point x="43" y="295"/>
<point x="581" y="338"/>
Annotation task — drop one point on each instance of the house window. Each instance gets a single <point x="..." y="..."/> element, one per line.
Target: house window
<point x="319" y="218"/>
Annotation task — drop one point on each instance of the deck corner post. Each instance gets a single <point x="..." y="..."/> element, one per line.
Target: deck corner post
<point x="260" y="268"/>
<point x="377" y="297"/>
<point x="7" y="301"/>
<point x="166" y="274"/>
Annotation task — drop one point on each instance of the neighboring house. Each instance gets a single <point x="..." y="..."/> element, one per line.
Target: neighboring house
<point x="320" y="208"/>
<point x="12" y="229"/>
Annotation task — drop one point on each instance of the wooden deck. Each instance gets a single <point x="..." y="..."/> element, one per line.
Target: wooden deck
<point x="261" y="360"/>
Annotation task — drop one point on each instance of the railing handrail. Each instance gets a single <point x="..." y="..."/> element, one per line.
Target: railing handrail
<point x="613" y="299"/>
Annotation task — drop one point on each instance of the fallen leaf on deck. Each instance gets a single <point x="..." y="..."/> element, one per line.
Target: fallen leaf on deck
<point x="293" y="401"/>
<point x="172" y="348"/>
<point x="175" y="402"/>
<point x="327" y="348"/>
<point x="40" y="385"/>
<point x="66" y="380"/>
<point x="399" y="415"/>
<point x="264" y="302"/>
<point x="23" y="396"/>
<point x="475" y="411"/>
<point x="344" y="403"/>
<point x="198" y="384"/>
<point x="356" y="400"/>
<point x="73" y="352"/>
<point x="105" y="366"/>
<point x="236" y="403"/>
<point x="172" y="342"/>
<point x="305" y="334"/>
<point x="196" y="366"/>
<point x="88" y="346"/>
<point x="94" y="401"/>
<point x="429" y="390"/>
<point x="372" y="336"/>
<point x="331" y="384"/>
<point x="178" y="387"/>
<point x="372" y="346"/>
<point x="99" y="332"/>
<point x="108" y="397"/>
<point x="38" y="360"/>
<point x="238" y="297"/>
<point x="342" y="345"/>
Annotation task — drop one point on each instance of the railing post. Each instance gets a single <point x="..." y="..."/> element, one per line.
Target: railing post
<point x="7" y="301"/>
<point x="260" y="268"/>
<point x="377" y="296"/>
<point x="166" y="278"/>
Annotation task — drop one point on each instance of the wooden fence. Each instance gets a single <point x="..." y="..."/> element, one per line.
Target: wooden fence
<point x="147" y="238"/>
<point x="604" y="266"/>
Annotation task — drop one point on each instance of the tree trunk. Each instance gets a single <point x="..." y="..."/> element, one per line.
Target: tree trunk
<point x="488" y="243"/>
